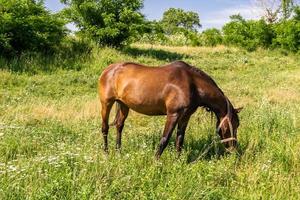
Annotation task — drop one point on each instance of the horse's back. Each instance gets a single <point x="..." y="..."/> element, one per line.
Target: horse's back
<point x="138" y="71"/>
<point x="146" y="89"/>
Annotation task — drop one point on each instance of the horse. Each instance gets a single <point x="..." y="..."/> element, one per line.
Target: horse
<point x="175" y="90"/>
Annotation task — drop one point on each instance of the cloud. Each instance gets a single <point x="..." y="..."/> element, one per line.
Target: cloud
<point x="218" y="18"/>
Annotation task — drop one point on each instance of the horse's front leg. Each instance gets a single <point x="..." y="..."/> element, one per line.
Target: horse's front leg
<point x="171" y="122"/>
<point x="182" y="124"/>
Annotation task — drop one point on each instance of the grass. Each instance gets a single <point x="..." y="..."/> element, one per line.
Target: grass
<point x="51" y="147"/>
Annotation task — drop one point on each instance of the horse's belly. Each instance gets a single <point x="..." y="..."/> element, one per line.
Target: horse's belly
<point x="148" y="110"/>
<point x="147" y="103"/>
<point x="146" y="107"/>
<point x="148" y="93"/>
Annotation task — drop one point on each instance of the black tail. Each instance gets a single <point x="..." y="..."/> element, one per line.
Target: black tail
<point x="117" y="110"/>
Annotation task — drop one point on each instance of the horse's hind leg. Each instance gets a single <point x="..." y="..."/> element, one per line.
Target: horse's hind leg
<point x="106" y="107"/>
<point x="121" y="117"/>
<point x="169" y="127"/>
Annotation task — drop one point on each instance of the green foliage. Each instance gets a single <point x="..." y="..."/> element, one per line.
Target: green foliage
<point x="108" y="22"/>
<point x="287" y="35"/>
<point x="297" y="13"/>
<point x="25" y="25"/>
<point x="211" y="37"/>
<point x="72" y="54"/>
<point x="248" y="34"/>
<point x="177" y="20"/>
<point x="153" y="34"/>
<point x="261" y="33"/>
<point x="235" y="32"/>
<point x="177" y="28"/>
<point x="193" y="38"/>
<point x="287" y="7"/>
<point x="178" y="39"/>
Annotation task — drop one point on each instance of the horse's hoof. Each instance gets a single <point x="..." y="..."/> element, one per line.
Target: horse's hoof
<point x="118" y="150"/>
<point x="157" y="156"/>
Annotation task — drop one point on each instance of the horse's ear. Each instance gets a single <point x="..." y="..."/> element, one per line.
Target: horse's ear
<point x="238" y="110"/>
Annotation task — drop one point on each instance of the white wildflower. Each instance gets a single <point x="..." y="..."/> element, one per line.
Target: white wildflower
<point x="12" y="168"/>
<point x="53" y="159"/>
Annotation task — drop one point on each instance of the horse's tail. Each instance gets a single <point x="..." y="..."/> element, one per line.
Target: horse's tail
<point x="117" y="110"/>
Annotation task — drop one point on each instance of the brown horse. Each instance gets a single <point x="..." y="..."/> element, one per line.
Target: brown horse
<point x="175" y="90"/>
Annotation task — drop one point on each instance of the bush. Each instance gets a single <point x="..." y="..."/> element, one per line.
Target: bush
<point x="261" y="33"/>
<point x="287" y="35"/>
<point x="248" y="34"/>
<point x="27" y="25"/>
<point x="153" y="34"/>
<point x="211" y="37"/>
<point x="235" y="32"/>
<point x="178" y="39"/>
<point x="193" y="38"/>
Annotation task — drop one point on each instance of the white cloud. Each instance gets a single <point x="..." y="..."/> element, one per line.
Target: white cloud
<point x="72" y="27"/>
<point x="218" y="18"/>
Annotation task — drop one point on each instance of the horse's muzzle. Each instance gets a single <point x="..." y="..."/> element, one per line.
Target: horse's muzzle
<point x="230" y="143"/>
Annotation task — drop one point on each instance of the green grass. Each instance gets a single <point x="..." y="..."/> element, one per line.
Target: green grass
<point x="51" y="146"/>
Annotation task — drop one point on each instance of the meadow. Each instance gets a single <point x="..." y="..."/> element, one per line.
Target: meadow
<point x="51" y="144"/>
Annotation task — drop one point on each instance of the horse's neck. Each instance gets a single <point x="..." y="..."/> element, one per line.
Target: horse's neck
<point x="223" y="109"/>
<point x="220" y="105"/>
<point x="211" y="96"/>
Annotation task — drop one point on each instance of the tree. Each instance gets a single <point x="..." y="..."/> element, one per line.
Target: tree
<point x="273" y="10"/>
<point x="287" y="7"/>
<point x="177" y="20"/>
<point x="297" y="13"/>
<point x="288" y="31"/>
<point x="108" y="22"/>
<point x="25" y="25"/>
<point x="269" y="9"/>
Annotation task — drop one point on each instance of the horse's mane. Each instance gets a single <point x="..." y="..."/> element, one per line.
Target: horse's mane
<point x="199" y="72"/>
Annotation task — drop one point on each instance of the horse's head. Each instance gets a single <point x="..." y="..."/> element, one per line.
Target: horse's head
<point x="227" y="128"/>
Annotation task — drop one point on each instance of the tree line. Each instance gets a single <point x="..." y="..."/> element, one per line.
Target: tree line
<point x="26" y="25"/>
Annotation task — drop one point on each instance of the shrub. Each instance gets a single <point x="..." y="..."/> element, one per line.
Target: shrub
<point x="193" y="38"/>
<point x="235" y="32"/>
<point x="248" y="34"/>
<point x="261" y="33"/>
<point x="178" y="39"/>
<point x="153" y="34"/>
<point x="27" y="25"/>
<point x="287" y="35"/>
<point x="211" y="37"/>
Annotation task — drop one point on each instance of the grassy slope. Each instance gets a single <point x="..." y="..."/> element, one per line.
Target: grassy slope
<point x="50" y="146"/>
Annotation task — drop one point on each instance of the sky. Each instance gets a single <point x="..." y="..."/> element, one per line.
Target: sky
<point x="212" y="13"/>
